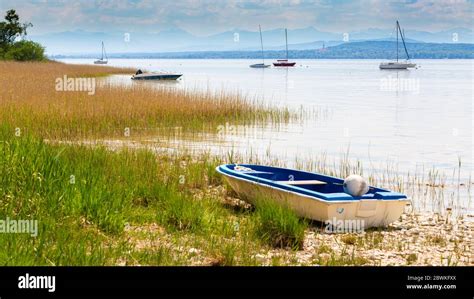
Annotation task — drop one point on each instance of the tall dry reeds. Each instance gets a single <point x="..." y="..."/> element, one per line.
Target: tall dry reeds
<point x="31" y="101"/>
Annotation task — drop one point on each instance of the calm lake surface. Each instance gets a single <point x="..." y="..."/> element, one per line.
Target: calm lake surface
<point x="416" y="119"/>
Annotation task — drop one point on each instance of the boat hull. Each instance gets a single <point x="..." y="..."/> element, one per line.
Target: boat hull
<point x="284" y="64"/>
<point x="260" y="66"/>
<point x="368" y="213"/>
<point x="100" y="62"/>
<point x="157" y="77"/>
<point x="396" y="66"/>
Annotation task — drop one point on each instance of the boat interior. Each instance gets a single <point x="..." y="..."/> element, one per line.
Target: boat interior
<point x="300" y="179"/>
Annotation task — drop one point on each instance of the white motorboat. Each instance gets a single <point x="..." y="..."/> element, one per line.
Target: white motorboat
<point x="139" y="75"/>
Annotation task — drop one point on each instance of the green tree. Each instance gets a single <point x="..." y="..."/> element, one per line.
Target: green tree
<point x="25" y="51"/>
<point x="11" y="28"/>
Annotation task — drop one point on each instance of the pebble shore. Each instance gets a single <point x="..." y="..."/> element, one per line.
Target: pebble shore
<point x="415" y="239"/>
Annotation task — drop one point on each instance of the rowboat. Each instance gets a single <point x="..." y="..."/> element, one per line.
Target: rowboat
<point x="314" y="196"/>
<point x="156" y="76"/>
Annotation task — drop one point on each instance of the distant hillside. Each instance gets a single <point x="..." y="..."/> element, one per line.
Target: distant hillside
<point x="79" y="42"/>
<point x="354" y="50"/>
<point x="387" y="50"/>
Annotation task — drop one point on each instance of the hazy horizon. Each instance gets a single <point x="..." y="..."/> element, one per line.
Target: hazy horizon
<point x="79" y="26"/>
<point x="171" y="30"/>
<point x="206" y="17"/>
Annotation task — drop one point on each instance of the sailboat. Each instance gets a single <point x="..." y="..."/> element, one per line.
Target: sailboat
<point x="260" y="65"/>
<point x="284" y="62"/>
<point x="102" y="60"/>
<point x="398" y="65"/>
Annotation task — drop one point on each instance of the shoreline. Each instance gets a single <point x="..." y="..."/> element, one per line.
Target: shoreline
<point x="416" y="239"/>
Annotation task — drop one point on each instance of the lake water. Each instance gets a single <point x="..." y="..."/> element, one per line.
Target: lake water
<point x="415" y="119"/>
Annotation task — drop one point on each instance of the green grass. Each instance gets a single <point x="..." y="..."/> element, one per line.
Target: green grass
<point x="278" y="225"/>
<point x="81" y="197"/>
<point x="182" y="213"/>
<point x="84" y="198"/>
<point x="161" y="256"/>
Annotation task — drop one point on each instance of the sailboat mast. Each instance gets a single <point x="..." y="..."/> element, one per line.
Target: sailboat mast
<point x="286" y="39"/>
<point x="102" y="51"/>
<point x="261" y="43"/>
<point x="396" y="29"/>
<point x="403" y="40"/>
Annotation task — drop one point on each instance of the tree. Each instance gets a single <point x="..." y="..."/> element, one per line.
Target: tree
<point x="25" y="51"/>
<point x="10" y="29"/>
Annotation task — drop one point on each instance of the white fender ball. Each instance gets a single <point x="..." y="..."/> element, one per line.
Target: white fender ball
<point x="355" y="185"/>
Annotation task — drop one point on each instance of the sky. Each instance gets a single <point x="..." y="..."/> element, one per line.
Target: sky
<point x="206" y="17"/>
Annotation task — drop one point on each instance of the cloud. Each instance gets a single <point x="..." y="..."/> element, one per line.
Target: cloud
<point x="204" y="17"/>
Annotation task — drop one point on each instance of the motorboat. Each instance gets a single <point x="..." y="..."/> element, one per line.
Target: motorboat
<point x="155" y="76"/>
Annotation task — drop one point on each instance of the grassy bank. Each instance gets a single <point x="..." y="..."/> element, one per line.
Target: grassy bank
<point x="30" y="101"/>
<point x="134" y="207"/>
<point x="90" y="202"/>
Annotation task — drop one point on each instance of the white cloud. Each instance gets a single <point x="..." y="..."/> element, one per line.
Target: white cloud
<point x="211" y="16"/>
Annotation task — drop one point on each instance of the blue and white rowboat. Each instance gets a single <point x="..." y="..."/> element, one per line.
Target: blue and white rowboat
<point x="314" y="196"/>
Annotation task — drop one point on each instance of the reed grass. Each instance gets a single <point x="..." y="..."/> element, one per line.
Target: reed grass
<point x="29" y="101"/>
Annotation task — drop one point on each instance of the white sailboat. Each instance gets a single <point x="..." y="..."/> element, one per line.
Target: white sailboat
<point x="398" y="65"/>
<point x="102" y="60"/>
<point x="260" y="65"/>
